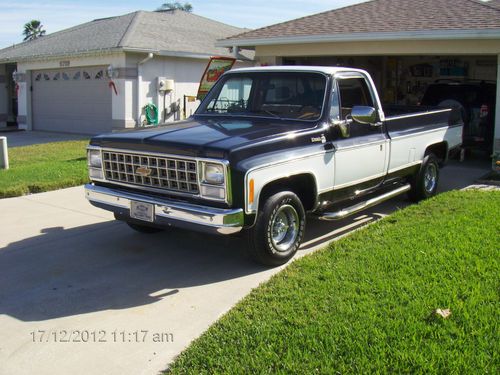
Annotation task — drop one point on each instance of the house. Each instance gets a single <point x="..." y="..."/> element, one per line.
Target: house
<point x="98" y="76"/>
<point x="404" y="44"/>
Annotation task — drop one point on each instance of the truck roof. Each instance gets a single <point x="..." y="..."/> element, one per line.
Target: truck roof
<point x="299" y="68"/>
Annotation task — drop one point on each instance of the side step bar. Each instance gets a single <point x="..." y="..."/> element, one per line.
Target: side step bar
<point x="338" y="215"/>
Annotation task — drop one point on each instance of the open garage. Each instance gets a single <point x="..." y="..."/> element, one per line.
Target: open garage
<point x="466" y="82"/>
<point x="438" y="52"/>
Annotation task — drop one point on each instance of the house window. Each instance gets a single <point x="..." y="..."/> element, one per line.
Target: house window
<point x="65" y="76"/>
<point x="86" y="75"/>
<point x="38" y="77"/>
<point x="77" y="76"/>
<point x="99" y="75"/>
<point x="57" y="76"/>
<point x="46" y="77"/>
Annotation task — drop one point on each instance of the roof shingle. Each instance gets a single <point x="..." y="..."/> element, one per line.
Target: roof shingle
<point x="172" y="31"/>
<point x="380" y="16"/>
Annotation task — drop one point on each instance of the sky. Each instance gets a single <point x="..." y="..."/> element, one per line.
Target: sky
<point x="60" y="14"/>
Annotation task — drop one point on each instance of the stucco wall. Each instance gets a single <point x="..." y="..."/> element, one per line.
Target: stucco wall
<point x="441" y="47"/>
<point x="186" y="73"/>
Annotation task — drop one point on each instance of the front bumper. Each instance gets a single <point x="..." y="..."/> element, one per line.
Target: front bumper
<point x="168" y="212"/>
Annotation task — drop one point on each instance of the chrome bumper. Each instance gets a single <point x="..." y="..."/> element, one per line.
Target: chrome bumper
<point x="168" y="212"/>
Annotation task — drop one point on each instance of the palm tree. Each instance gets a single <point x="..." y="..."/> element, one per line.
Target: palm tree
<point x="32" y="30"/>
<point x="176" y="5"/>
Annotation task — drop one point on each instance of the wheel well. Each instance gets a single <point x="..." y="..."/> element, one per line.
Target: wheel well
<point x="440" y="150"/>
<point x="303" y="185"/>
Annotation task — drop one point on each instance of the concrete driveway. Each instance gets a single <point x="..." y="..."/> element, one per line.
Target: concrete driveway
<point x="83" y="294"/>
<point x="23" y="138"/>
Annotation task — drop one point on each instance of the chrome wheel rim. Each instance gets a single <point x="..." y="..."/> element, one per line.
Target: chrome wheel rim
<point x="430" y="178"/>
<point x="285" y="228"/>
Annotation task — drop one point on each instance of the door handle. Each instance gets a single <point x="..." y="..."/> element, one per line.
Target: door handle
<point x="377" y="124"/>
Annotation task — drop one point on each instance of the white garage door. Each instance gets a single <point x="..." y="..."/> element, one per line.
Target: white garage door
<point x="76" y="100"/>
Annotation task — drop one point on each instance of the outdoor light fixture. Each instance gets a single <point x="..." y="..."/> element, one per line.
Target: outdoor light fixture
<point x="16" y="76"/>
<point x="111" y="72"/>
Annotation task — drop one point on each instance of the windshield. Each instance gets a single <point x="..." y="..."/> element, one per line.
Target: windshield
<point x="284" y="95"/>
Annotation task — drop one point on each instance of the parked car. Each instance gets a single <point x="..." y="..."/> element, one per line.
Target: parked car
<point x="265" y="147"/>
<point x="476" y="102"/>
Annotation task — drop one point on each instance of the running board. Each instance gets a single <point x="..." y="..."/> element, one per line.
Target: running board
<point x="338" y="215"/>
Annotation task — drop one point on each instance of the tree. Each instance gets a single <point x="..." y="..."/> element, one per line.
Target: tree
<point x="33" y="30"/>
<point x="176" y="5"/>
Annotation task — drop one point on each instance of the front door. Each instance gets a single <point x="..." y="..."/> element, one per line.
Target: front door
<point x="360" y="156"/>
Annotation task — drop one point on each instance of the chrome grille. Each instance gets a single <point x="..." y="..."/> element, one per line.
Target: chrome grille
<point x="162" y="172"/>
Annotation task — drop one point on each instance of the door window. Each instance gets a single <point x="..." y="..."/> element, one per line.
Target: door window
<point x="355" y="92"/>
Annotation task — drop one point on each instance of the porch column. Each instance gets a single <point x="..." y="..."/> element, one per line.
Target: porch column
<point x="496" y="137"/>
<point x="23" y="101"/>
<point x="4" y="97"/>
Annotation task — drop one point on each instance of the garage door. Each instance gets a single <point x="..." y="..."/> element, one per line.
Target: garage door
<point x="76" y="100"/>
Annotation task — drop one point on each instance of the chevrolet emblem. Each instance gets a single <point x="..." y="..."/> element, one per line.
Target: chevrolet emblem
<point x="143" y="171"/>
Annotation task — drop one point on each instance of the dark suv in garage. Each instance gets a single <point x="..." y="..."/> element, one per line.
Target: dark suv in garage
<point x="476" y="100"/>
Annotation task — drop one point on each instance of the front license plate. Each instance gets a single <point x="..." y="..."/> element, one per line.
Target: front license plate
<point x="142" y="211"/>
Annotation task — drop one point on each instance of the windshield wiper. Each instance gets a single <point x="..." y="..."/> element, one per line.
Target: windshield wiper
<point x="268" y="112"/>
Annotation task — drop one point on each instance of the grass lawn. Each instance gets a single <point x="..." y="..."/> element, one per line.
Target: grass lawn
<point x="364" y="304"/>
<point x="44" y="167"/>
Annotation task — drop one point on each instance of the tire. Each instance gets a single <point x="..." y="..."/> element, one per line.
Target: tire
<point x="424" y="183"/>
<point x="278" y="231"/>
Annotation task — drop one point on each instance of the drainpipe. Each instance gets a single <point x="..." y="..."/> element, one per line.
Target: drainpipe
<point x="236" y="51"/>
<point x="139" y="83"/>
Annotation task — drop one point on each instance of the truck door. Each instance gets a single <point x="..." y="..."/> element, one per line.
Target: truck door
<point x="361" y="152"/>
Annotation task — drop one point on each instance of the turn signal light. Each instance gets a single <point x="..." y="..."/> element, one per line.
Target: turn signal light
<point x="251" y="191"/>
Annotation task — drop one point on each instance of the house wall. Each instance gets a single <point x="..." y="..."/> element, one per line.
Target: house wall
<point x="3" y="97"/>
<point x="186" y="74"/>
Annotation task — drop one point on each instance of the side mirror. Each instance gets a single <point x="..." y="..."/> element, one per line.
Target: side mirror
<point x="364" y="115"/>
<point x="343" y="127"/>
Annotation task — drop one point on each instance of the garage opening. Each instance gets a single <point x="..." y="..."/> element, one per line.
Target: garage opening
<point x="466" y="82"/>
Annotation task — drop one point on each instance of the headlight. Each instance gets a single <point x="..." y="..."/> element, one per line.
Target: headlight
<point x="94" y="159"/>
<point x="95" y="164"/>
<point x="213" y="174"/>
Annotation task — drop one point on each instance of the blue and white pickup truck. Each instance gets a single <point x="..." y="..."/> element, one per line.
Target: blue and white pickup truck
<point x="266" y="146"/>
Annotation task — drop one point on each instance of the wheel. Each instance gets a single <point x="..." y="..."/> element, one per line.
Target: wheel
<point x="278" y="231"/>
<point x="424" y="183"/>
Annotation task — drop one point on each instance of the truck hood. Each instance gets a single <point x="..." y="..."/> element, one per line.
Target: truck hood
<point x="213" y="138"/>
